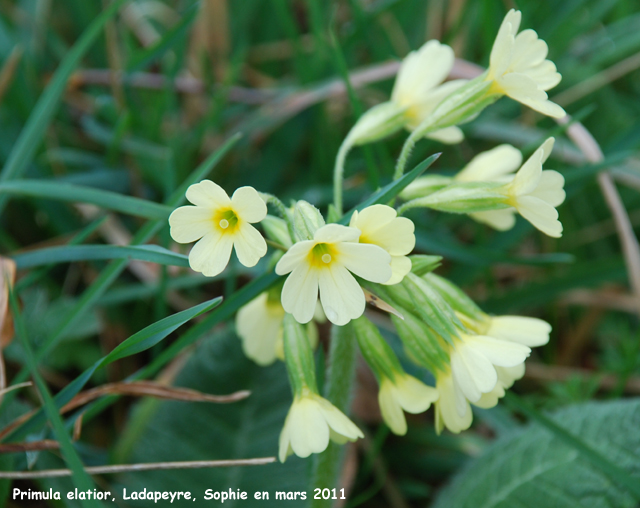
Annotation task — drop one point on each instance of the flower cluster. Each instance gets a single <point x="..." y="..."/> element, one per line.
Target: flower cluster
<point x="330" y="267"/>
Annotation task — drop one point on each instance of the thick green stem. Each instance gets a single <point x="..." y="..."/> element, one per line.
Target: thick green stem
<point x="340" y="376"/>
<point x="338" y="175"/>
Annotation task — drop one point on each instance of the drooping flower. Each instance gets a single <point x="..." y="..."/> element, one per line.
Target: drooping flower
<point x="310" y="423"/>
<point x="536" y="193"/>
<point x="418" y="89"/>
<point x="519" y="69"/>
<point x="259" y="325"/>
<point x="380" y="225"/>
<point x="475" y="360"/>
<point x="406" y="393"/>
<point x="326" y="264"/>
<point x="220" y="223"/>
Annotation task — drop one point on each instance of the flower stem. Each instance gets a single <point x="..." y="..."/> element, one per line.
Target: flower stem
<point x="282" y="211"/>
<point x="340" y="376"/>
<point x="338" y="175"/>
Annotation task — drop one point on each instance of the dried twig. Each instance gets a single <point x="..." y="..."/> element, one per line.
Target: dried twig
<point x="31" y="446"/>
<point x="130" y="468"/>
<point x="7" y="280"/>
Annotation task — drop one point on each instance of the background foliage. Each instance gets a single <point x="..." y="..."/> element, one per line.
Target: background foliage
<point x="141" y="99"/>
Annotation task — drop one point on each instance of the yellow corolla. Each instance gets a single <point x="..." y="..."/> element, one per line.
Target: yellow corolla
<point x="310" y="423"/>
<point x="326" y="264"/>
<point x="380" y="225"/>
<point x="220" y="223"/>
<point x="519" y="69"/>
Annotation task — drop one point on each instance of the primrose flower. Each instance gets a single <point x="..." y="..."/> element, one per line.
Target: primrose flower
<point x="536" y="193"/>
<point x="406" y="393"/>
<point x="493" y="165"/>
<point x="259" y="325"/>
<point x="419" y="88"/>
<point x="310" y="423"/>
<point x="325" y="264"/>
<point x="220" y="223"/>
<point x="472" y="374"/>
<point x="519" y="69"/>
<point x="381" y="226"/>
<point x="416" y="93"/>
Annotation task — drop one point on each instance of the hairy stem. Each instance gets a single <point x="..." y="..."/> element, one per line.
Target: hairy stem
<point x="282" y="211"/>
<point x="338" y="175"/>
<point x="340" y="376"/>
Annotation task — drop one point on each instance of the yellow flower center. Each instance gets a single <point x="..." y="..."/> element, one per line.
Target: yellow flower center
<point x="226" y="220"/>
<point x="322" y="255"/>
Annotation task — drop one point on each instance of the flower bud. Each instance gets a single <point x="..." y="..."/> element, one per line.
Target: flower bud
<point x="307" y="219"/>
<point x="377" y="123"/>
<point x="424" y="186"/>
<point x="378" y="354"/>
<point x="454" y="296"/>
<point x="422" y="344"/>
<point x="276" y="230"/>
<point x="422" y="264"/>
<point x="467" y="197"/>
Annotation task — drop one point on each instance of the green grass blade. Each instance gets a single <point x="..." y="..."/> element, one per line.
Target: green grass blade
<point x="31" y="136"/>
<point x="111" y="273"/>
<point x="80" y="477"/>
<point x="67" y="253"/>
<point x="615" y="473"/>
<point x="140" y="341"/>
<point x="80" y="194"/>
<point x="390" y="191"/>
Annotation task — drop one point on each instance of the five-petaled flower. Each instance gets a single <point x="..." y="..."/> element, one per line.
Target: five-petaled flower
<point x="325" y="264"/>
<point x="479" y="364"/>
<point x="310" y="423"/>
<point x="519" y="69"/>
<point x="220" y="223"/>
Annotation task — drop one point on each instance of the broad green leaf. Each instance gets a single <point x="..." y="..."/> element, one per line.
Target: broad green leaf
<point x="533" y="467"/>
<point x="67" y="253"/>
<point x="245" y="429"/>
<point x="80" y="194"/>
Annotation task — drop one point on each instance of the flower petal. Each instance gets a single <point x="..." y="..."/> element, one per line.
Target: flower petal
<point x="334" y="233"/>
<point x="210" y="255"/>
<point x="190" y="223"/>
<point x="368" y="261"/>
<point x="502" y="220"/>
<point x="472" y="371"/>
<point x="294" y="256"/>
<point x="341" y="295"/>
<point x="309" y="430"/>
<point x="413" y="395"/>
<point x="249" y="244"/>
<point x="400" y="266"/>
<point x="541" y="214"/>
<point x="492" y="164"/>
<point x="550" y="188"/>
<point x="248" y="205"/>
<point x="208" y="195"/>
<point x="300" y="293"/>
<point x="337" y="420"/>
<point x="392" y="413"/>
<point x="528" y="331"/>
<point x="498" y="352"/>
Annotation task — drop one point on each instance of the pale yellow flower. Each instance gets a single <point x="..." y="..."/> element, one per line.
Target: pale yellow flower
<point x="493" y="165"/>
<point x="535" y="193"/>
<point x="380" y="225"/>
<point x="528" y="331"/>
<point x="475" y="360"/>
<point x="519" y="68"/>
<point x="326" y="264"/>
<point x="259" y="325"/>
<point x="419" y="87"/>
<point x="406" y="393"/>
<point x="220" y="224"/>
<point x="310" y="423"/>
